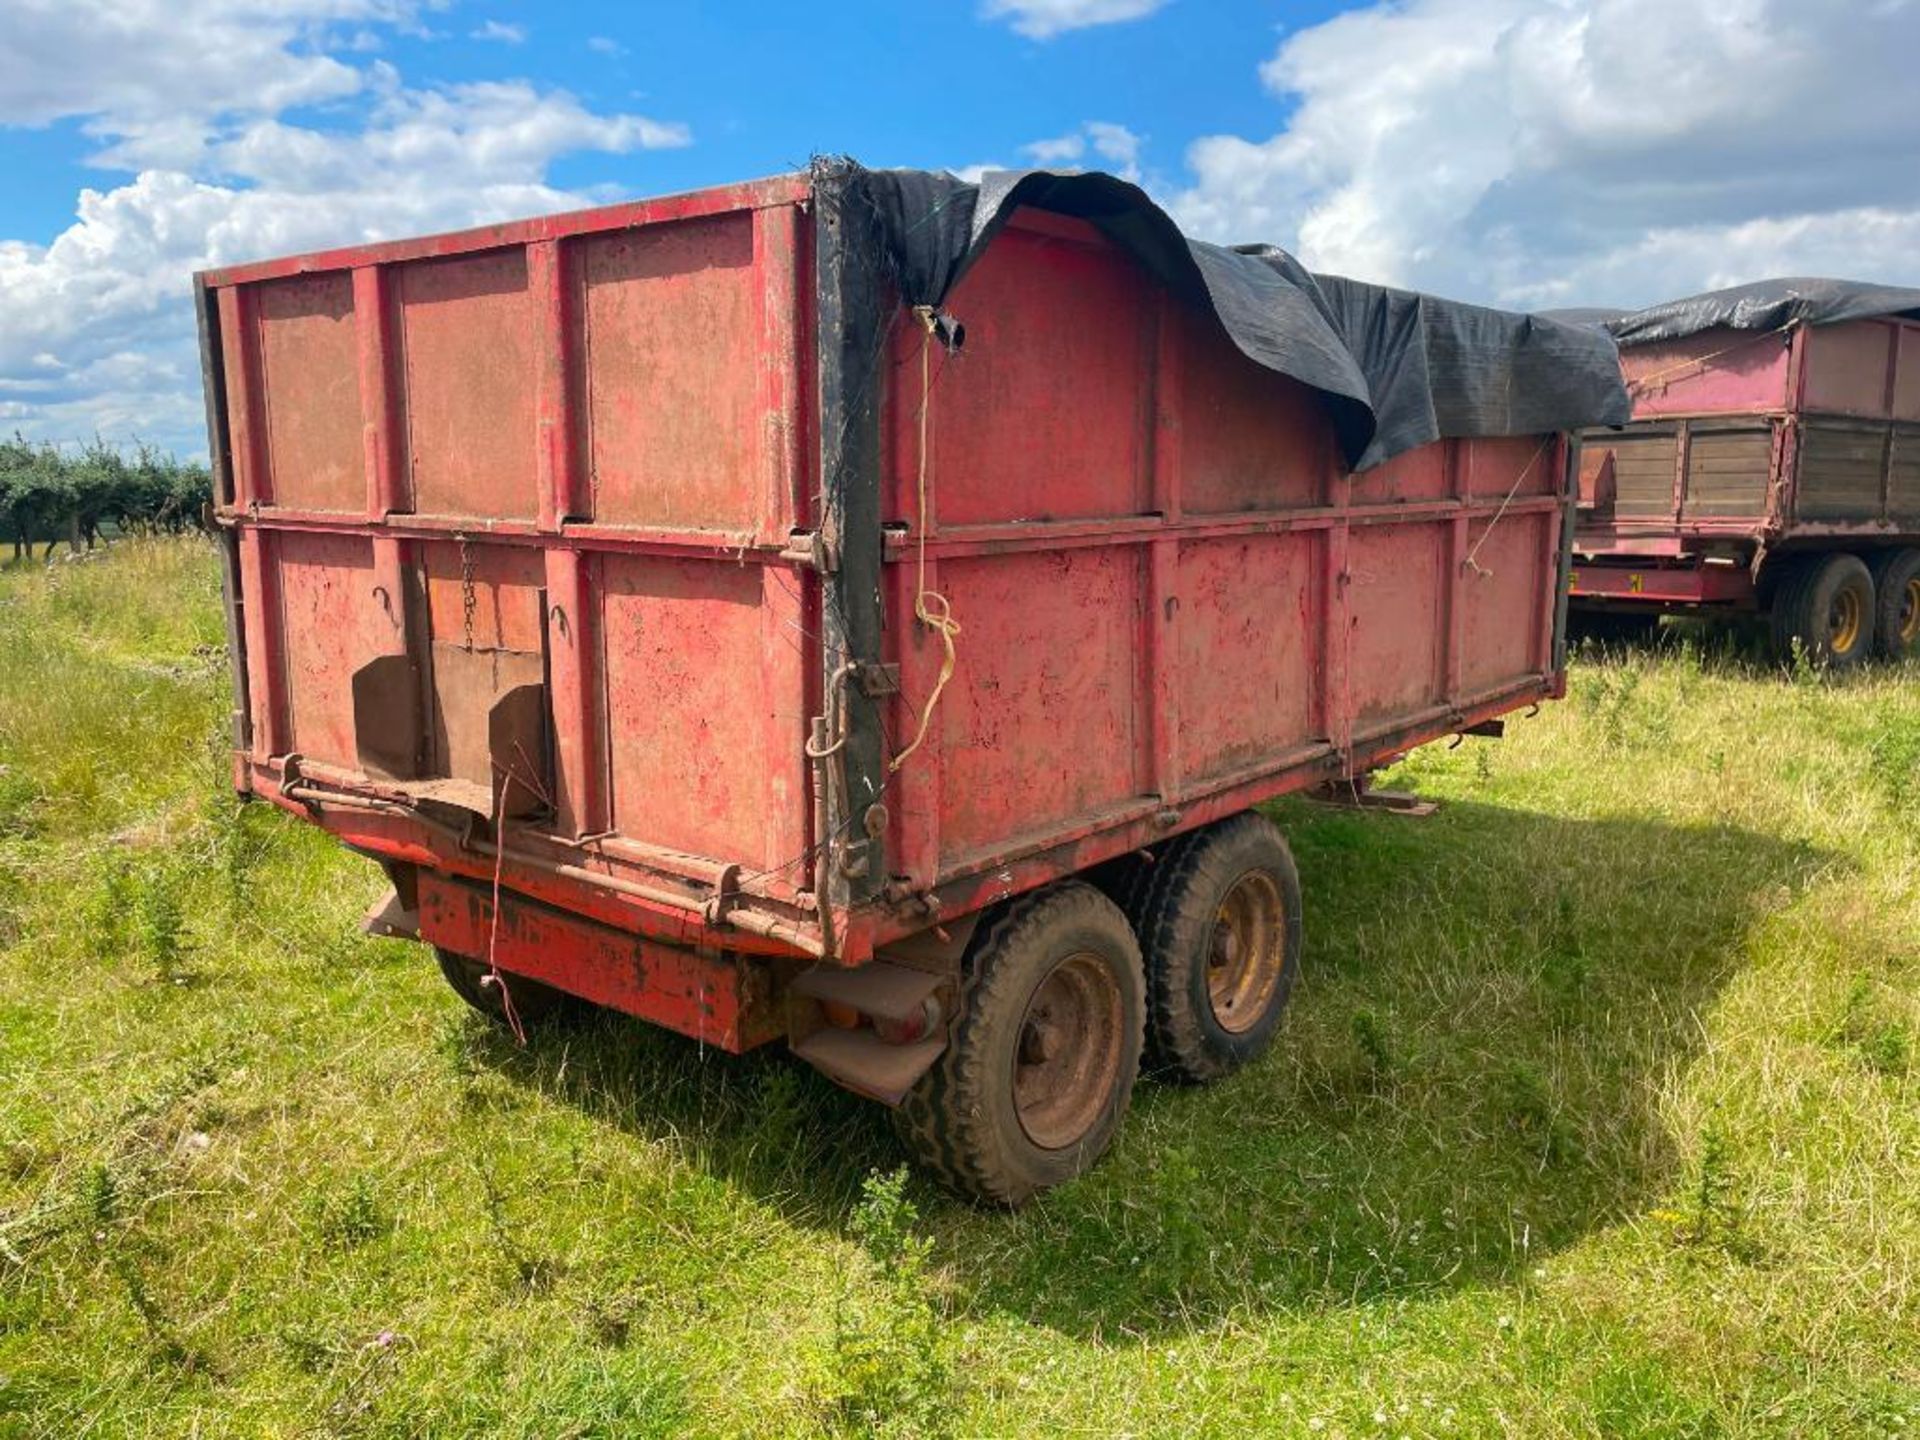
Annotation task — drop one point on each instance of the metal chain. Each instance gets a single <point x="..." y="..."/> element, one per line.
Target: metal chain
<point x="466" y="588"/>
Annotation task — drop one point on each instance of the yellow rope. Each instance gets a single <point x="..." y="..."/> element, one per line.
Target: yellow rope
<point x="1472" y="561"/>
<point x="1659" y="377"/>
<point x="929" y="606"/>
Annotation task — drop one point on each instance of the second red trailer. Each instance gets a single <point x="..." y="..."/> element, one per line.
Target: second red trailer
<point x="1772" y="468"/>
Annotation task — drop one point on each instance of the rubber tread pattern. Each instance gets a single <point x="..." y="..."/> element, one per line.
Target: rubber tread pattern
<point x="946" y="1120"/>
<point x="1178" y="1047"/>
<point x="1795" y="603"/>
<point x="1892" y="571"/>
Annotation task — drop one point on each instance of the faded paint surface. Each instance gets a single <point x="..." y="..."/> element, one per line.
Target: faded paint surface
<point x="1247" y="439"/>
<point x="1165" y="581"/>
<point x="715" y="999"/>
<point x="1244" y="607"/>
<point x="466" y="327"/>
<point x="1716" y="372"/>
<point x="1510" y="570"/>
<point x="667" y="339"/>
<point x="1042" y="730"/>
<point x="330" y="627"/>
<point x="1392" y="639"/>
<point x="685" y="702"/>
<point x="1043" y="411"/>
<point x="308" y="349"/>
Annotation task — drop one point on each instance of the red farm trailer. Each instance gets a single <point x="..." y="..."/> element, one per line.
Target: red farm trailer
<point x="1772" y="467"/>
<point x="699" y="610"/>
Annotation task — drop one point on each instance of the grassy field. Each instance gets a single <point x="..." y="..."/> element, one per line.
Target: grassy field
<point x="1595" y="1114"/>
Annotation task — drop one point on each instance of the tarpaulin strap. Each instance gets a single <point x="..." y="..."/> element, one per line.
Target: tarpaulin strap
<point x="1700" y="362"/>
<point x="929" y="606"/>
<point x="1471" y="562"/>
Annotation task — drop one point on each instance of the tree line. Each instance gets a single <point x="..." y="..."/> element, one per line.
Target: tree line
<point x="49" y="494"/>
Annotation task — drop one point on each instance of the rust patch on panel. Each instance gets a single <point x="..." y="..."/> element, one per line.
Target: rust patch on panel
<point x="1245" y="649"/>
<point x="332" y="624"/>
<point x="686" y="702"/>
<point x="673" y="425"/>
<point x="1043" y="729"/>
<point x="466" y="334"/>
<point x="310" y="355"/>
<point x="1500" y="592"/>
<point x="1393" y="645"/>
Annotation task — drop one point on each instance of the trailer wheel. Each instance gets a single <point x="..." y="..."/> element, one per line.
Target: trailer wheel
<point x="471" y="981"/>
<point x="1826" y="604"/>
<point x="1040" y="1063"/>
<point x="1219" y="923"/>
<point x="1896" y="583"/>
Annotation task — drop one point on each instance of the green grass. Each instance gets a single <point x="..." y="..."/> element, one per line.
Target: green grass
<point x="1597" y="1113"/>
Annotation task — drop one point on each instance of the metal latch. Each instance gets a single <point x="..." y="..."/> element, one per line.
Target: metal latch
<point x="811" y="549"/>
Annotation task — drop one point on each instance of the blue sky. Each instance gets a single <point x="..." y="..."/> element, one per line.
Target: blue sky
<point x="1529" y="153"/>
<point x="763" y="85"/>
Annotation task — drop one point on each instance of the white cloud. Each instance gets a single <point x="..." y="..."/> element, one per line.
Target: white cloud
<point x="437" y="142"/>
<point x="1043" y="19"/>
<point x="1566" y="151"/>
<point x="501" y="30"/>
<point x="157" y="73"/>
<point x="1118" y="146"/>
<point x="1865" y="243"/>
<point x="606" y="45"/>
<point x="1112" y="147"/>
<point x="96" y="327"/>
<point x="1065" y="150"/>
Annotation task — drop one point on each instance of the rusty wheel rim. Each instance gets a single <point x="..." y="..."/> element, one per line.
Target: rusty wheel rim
<point x="1246" y="952"/>
<point x="1066" y="1061"/>
<point x="1910" y="612"/>
<point x="1843" y="621"/>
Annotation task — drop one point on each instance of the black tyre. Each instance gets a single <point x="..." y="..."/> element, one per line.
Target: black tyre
<point x="1896" y="588"/>
<point x="472" y="980"/>
<point x="1219" y="923"/>
<point x="1824" y="604"/>
<point x="1040" y="1063"/>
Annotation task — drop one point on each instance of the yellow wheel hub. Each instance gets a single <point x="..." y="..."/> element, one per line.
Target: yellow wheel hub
<point x="1844" y="622"/>
<point x="1910" y="612"/>
<point x="1247" y="952"/>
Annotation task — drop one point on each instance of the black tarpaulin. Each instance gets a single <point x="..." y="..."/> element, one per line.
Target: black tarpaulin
<point x="1763" y="305"/>
<point x="1398" y="369"/>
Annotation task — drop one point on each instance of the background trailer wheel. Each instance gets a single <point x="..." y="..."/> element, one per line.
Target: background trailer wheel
<point x="1896" y="588"/>
<point x="1218" y="917"/>
<point x="1826" y="604"/>
<point x="472" y="982"/>
<point x="1040" y="1062"/>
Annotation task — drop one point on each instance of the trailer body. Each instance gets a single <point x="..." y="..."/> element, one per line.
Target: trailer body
<point x="1752" y="454"/>
<point x="578" y="562"/>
